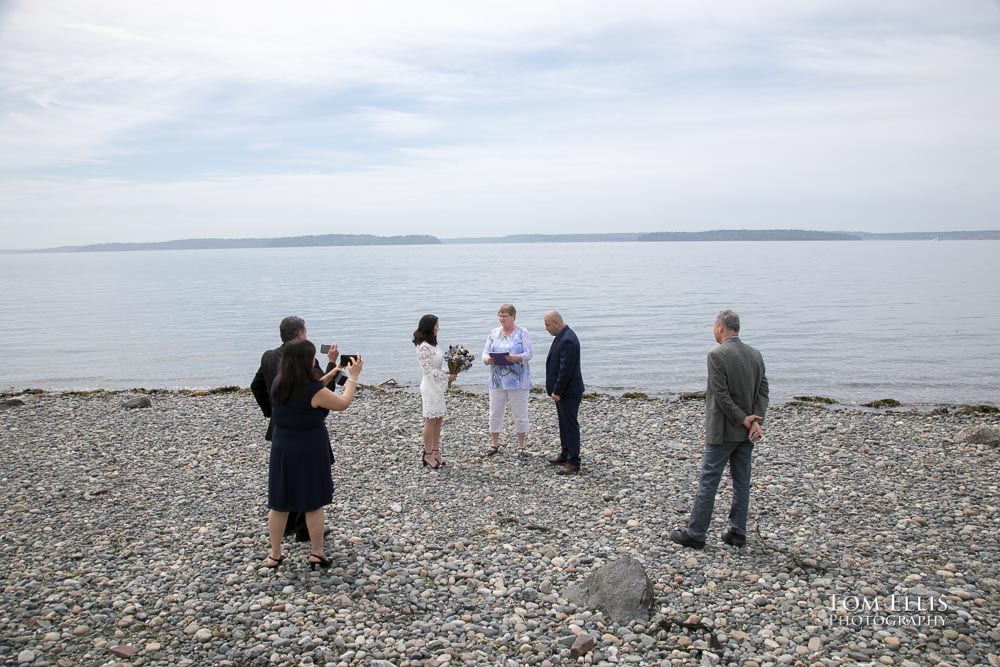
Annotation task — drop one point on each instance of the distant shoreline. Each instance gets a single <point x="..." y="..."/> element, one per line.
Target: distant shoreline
<point x="328" y="240"/>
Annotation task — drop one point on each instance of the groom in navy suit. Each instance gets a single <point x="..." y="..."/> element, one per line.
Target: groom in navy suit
<point x="564" y="385"/>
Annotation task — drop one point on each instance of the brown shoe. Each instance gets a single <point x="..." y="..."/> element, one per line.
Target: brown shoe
<point x="568" y="469"/>
<point x="558" y="461"/>
<point x="682" y="538"/>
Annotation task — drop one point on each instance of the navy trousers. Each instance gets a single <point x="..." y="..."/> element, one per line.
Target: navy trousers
<point x="568" y="410"/>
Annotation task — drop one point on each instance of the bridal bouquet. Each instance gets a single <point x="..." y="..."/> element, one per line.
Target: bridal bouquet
<point x="459" y="359"/>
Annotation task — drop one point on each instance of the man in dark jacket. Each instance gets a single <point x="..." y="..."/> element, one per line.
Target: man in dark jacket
<point x="291" y="328"/>
<point x="735" y="403"/>
<point x="564" y="385"/>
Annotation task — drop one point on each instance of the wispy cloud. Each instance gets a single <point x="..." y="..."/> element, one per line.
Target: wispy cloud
<point x="230" y="118"/>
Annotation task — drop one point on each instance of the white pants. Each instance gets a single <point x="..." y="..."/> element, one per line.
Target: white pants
<point x="518" y="399"/>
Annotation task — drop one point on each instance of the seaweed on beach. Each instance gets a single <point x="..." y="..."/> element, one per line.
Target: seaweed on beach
<point x="883" y="403"/>
<point x="979" y="409"/>
<point x="814" y="399"/>
<point x="23" y="392"/>
<point x="638" y="396"/>
<point x="229" y="389"/>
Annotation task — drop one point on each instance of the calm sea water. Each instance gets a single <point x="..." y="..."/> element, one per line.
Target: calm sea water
<point x="912" y="320"/>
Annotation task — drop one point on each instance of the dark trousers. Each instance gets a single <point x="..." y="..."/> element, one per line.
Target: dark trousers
<point x="713" y="462"/>
<point x="297" y="524"/>
<point x="568" y="409"/>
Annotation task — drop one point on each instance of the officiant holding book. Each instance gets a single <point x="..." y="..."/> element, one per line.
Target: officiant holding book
<point x="507" y="353"/>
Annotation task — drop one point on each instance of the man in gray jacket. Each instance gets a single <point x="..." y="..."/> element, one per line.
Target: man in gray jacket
<point x="735" y="404"/>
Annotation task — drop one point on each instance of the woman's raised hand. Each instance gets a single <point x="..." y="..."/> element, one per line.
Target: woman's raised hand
<point x="332" y="353"/>
<point x="354" y="366"/>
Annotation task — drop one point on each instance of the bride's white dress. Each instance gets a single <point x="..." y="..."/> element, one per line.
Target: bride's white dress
<point x="435" y="380"/>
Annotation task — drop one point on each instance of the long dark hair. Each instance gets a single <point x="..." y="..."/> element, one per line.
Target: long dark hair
<point x="425" y="330"/>
<point x="296" y="369"/>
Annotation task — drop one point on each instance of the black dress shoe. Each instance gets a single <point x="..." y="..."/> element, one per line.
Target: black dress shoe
<point x="558" y="461"/>
<point x="734" y="539"/>
<point x="682" y="538"/>
<point x="568" y="469"/>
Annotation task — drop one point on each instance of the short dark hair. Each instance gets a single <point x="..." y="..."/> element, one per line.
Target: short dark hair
<point x="291" y="327"/>
<point x="425" y="330"/>
<point x="296" y="369"/>
<point x="508" y="309"/>
<point x="729" y="319"/>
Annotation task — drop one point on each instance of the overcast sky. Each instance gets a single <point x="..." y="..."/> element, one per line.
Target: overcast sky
<point x="137" y="121"/>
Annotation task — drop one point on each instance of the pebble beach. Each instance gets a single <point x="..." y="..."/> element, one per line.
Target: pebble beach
<point x="136" y="536"/>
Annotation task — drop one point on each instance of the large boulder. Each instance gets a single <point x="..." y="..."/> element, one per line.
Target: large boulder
<point x="620" y="589"/>
<point x="137" y="402"/>
<point x="980" y="435"/>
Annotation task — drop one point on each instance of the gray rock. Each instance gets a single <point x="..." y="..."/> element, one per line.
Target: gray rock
<point x="980" y="435"/>
<point x="138" y="402"/>
<point x="709" y="659"/>
<point x="123" y="651"/>
<point x="621" y="589"/>
<point x="11" y="403"/>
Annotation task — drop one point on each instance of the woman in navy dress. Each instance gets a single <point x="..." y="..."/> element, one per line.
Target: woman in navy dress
<point x="299" y="477"/>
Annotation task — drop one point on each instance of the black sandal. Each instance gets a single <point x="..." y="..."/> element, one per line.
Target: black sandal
<point x="441" y="462"/>
<point x="323" y="561"/>
<point x="277" y="561"/>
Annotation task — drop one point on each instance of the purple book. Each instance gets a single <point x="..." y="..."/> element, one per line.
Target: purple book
<point x="500" y="359"/>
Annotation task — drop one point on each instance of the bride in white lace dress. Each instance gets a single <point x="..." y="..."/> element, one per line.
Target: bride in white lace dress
<point x="432" y="387"/>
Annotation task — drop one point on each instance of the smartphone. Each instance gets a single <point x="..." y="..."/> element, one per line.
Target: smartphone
<point x="323" y="349"/>
<point x="345" y="359"/>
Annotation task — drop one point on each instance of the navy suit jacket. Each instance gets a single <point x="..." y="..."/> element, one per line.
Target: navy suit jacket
<point x="562" y="367"/>
<point x="262" y="381"/>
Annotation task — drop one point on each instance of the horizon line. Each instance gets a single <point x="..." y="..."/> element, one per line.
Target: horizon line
<point x="473" y="240"/>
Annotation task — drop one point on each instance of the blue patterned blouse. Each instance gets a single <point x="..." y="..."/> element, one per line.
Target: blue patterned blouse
<point x="515" y="376"/>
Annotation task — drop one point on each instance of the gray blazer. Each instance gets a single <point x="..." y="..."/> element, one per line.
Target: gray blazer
<point x="737" y="387"/>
